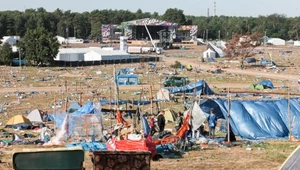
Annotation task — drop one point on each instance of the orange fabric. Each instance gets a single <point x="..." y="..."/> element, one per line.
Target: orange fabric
<point x="179" y="134"/>
<point x="121" y="120"/>
<point x="185" y="126"/>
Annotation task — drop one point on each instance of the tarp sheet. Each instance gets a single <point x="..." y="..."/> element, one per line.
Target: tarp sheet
<point x="201" y="87"/>
<point x="88" y="108"/>
<point x="89" y="146"/>
<point x="258" y="119"/>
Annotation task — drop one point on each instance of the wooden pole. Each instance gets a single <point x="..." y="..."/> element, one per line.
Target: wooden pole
<point x="151" y="100"/>
<point x="228" y="117"/>
<point x="55" y="118"/>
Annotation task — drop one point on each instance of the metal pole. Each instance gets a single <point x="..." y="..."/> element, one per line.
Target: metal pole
<point x="20" y="59"/>
<point x="151" y="100"/>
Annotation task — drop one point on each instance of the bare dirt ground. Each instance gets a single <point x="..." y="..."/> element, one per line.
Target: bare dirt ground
<point x="271" y="157"/>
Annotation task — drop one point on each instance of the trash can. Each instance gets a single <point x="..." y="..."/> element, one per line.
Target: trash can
<point x="126" y="160"/>
<point x="54" y="159"/>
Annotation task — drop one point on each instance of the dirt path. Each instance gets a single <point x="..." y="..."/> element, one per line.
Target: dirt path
<point x="195" y="63"/>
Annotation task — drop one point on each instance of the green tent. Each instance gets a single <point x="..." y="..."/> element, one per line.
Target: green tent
<point x="259" y="87"/>
<point x="252" y="86"/>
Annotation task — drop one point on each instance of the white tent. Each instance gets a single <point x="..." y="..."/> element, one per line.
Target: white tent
<point x="35" y="116"/>
<point x="163" y="94"/>
<point x="276" y="41"/>
<point x="209" y="54"/>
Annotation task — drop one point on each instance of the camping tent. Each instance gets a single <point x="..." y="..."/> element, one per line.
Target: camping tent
<point x="209" y="55"/>
<point x="259" y="87"/>
<point x="19" y="122"/>
<point x="35" y="116"/>
<point x="252" y="86"/>
<point x="163" y="94"/>
<point x="276" y="41"/>
<point x="267" y="84"/>
<point x="293" y="161"/>
<point x="170" y="115"/>
<point x="130" y="79"/>
<point x="73" y="107"/>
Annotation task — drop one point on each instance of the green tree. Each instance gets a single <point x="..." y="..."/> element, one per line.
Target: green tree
<point x="6" y="54"/>
<point x="40" y="46"/>
<point x="174" y="15"/>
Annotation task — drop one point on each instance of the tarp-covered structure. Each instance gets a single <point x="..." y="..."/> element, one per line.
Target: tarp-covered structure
<point x="85" y="122"/>
<point x="258" y="119"/>
<point x="18" y="122"/>
<point x="130" y="79"/>
<point x="201" y="88"/>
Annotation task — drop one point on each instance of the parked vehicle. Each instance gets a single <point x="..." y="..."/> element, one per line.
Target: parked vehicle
<point x="176" y="81"/>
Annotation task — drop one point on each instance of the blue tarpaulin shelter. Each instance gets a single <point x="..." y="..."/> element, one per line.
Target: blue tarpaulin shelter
<point x="73" y="107"/>
<point x="88" y="108"/>
<point x="130" y="79"/>
<point x="201" y="87"/>
<point x="127" y="70"/>
<point x="258" y="119"/>
<point x="267" y="84"/>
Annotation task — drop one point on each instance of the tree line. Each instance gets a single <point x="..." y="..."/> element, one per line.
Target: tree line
<point x="87" y="25"/>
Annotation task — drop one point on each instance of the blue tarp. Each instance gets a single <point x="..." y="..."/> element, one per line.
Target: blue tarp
<point x="17" y="62"/>
<point x="200" y="86"/>
<point x="265" y="62"/>
<point x="258" y="119"/>
<point x="89" y="146"/>
<point x="127" y="70"/>
<point x="267" y="84"/>
<point x="251" y="60"/>
<point x="73" y="107"/>
<point x="130" y="79"/>
<point x="88" y="108"/>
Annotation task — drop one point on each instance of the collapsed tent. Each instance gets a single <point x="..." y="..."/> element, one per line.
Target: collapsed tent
<point x="19" y="122"/>
<point x="267" y="84"/>
<point x="258" y="119"/>
<point x="201" y="88"/>
<point x="256" y="87"/>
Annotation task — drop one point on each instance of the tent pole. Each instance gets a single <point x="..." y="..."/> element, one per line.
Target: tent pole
<point x="289" y="115"/>
<point x="55" y="118"/>
<point x="228" y="118"/>
<point x="151" y="100"/>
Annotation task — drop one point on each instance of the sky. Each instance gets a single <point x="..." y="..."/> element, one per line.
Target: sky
<point x="254" y="8"/>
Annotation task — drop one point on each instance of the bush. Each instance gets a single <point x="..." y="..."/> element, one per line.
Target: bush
<point x="176" y="65"/>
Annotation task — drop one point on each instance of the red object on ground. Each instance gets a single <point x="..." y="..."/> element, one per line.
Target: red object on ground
<point x="132" y="145"/>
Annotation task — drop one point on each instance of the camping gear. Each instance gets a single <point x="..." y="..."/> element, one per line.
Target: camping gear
<point x="267" y="84"/>
<point x="121" y="159"/>
<point x="54" y="158"/>
<point x="18" y="122"/>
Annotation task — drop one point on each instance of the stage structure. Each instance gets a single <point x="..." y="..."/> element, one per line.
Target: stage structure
<point x="135" y="30"/>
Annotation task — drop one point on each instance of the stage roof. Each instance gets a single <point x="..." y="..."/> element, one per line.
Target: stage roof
<point x="149" y="22"/>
